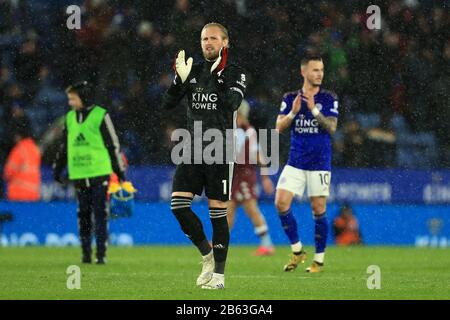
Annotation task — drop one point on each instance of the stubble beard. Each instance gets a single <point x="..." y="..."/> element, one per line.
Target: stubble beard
<point x="210" y="55"/>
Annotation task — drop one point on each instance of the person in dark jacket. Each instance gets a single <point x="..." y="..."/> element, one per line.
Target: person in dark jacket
<point x="214" y="91"/>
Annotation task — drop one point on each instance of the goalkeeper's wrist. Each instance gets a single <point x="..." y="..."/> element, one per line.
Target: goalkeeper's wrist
<point x="315" y="112"/>
<point x="178" y="82"/>
<point x="176" y="88"/>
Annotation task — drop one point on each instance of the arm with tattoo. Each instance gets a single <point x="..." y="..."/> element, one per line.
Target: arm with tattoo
<point x="327" y="123"/>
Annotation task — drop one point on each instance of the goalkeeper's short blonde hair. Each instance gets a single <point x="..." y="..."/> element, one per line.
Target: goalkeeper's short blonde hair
<point x="220" y="26"/>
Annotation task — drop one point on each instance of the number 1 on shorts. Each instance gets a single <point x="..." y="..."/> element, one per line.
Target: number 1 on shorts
<point x="224" y="182"/>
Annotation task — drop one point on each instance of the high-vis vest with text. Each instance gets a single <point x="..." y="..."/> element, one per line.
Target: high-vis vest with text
<point x="87" y="156"/>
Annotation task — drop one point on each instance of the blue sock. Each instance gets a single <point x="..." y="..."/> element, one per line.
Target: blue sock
<point x="320" y="232"/>
<point x="289" y="225"/>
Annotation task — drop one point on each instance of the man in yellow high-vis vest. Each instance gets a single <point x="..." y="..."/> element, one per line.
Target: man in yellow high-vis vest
<point x="91" y="151"/>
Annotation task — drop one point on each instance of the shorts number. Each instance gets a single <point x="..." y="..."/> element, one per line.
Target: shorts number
<point x="324" y="178"/>
<point x="224" y="182"/>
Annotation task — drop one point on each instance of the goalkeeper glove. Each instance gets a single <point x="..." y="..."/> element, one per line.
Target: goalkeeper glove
<point x="128" y="187"/>
<point x="220" y="63"/>
<point x="113" y="187"/>
<point x="116" y="187"/>
<point x="182" y="67"/>
<point x="122" y="199"/>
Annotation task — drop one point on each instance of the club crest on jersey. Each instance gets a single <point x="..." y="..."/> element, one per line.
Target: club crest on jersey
<point x="319" y="106"/>
<point x="242" y="81"/>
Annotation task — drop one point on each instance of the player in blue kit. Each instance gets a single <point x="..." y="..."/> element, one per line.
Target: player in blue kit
<point x="311" y="114"/>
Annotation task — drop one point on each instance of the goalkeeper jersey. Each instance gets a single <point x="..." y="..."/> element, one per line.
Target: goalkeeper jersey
<point x="212" y="101"/>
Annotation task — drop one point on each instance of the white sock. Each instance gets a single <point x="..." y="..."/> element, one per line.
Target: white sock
<point x="296" y="247"/>
<point x="266" y="241"/>
<point x="318" y="257"/>
<point x="208" y="256"/>
<point x="263" y="233"/>
<point x="261" y="229"/>
<point x="219" y="275"/>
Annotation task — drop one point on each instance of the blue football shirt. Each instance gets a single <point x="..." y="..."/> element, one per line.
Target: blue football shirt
<point x="310" y="144"/>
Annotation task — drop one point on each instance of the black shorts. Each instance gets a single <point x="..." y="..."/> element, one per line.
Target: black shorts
<point x="216" y="179"/>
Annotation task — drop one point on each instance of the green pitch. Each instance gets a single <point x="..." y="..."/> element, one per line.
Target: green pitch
<point x="157" y="272"/>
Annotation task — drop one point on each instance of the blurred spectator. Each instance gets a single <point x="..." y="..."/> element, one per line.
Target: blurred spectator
<point x="346" y="228"/>
<point x="163" y="154"/>
<point x="380" y="145"/>
<point x="27" y="64"/>
<point x="440" y="107"/>
<point x="126" y="49"/>
<point x="22" y="169"/>
<point x="149" y="50"/>
<point x="353" y="155"/>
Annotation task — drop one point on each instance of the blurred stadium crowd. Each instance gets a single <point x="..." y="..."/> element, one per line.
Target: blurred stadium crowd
<point x="393" y="84"/>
